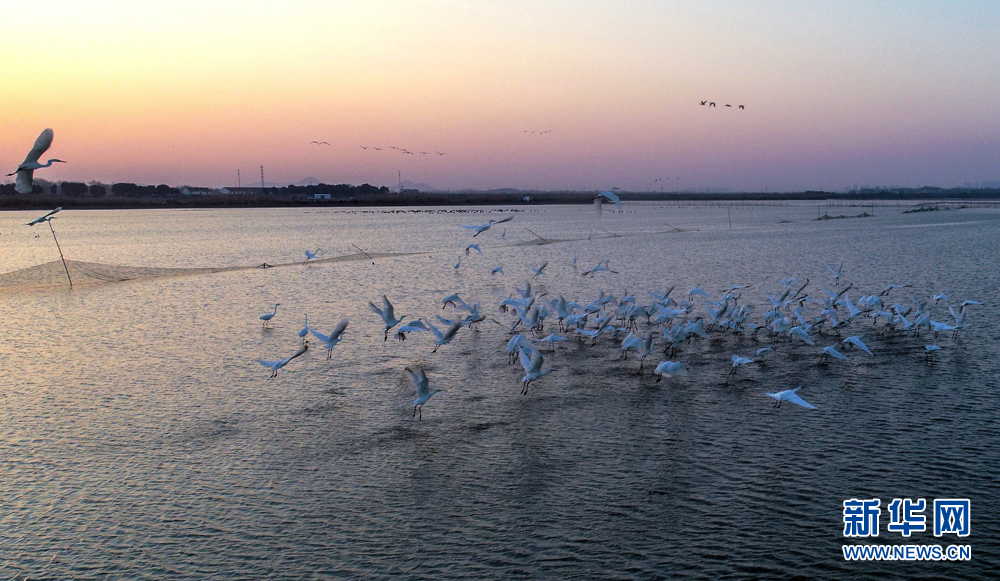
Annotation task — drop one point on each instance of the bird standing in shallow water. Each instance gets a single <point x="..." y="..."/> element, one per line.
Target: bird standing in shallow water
<point x="266" y="318"/>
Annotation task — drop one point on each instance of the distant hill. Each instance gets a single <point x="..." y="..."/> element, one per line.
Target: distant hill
<point x="419" y="186"/>
<point x="309" y="181"/>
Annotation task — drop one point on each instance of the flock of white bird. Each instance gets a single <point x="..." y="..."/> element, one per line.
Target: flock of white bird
<point x="665" y="323"/>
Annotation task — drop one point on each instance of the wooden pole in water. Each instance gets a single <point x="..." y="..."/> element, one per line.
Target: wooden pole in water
<point x="60" y="253"/>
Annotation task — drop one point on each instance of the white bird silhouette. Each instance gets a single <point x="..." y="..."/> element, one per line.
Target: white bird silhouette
<point x="856" y="341"/>
<point x="533" y="368"/>
<point x="610" y="195"/>
<point x="472" y="247"/>
<point x="305" y="330"/>
<point x="274" y="366"/>
<point x="445" y="337"/>
<point x="829" y="352"/>
<point x="386" y="312"/>
<point x="265" y="318"/>
<point x="789" y="395"/>
<point x="311" y="255"/>
<point x="23" y="183"/>
<point x="424" y="393"/>
<point x="333" y="338"/>
<point x="670" y="368"/>
<point x="480" y="228"/>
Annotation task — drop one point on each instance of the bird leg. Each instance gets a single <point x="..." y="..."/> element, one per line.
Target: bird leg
<point x="659" y="378"/>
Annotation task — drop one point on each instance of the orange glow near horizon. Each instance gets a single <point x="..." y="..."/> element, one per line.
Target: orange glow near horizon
<point x="189" y="93"/>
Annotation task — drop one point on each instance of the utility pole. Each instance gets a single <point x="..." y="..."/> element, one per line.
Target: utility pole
<point x="239" y="184"/>
<point x="262" y="179"/>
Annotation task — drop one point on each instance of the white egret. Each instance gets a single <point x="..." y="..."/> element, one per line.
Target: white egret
<point x="829" y="352"/>
<point x="856" y="341"/>
<point x="480" y="228"/>
<point x="611" y="196"/>
<point x="265" y="318"/>
<point x="305" y="330"/>
<point x="551" y="340"/>
<point x="835" y="273"/>
<point x="311" y="255"/>
<point x="23" y="183"/>
<point x="496" y="270"/>
<point x="445" y="337"/>
<point x="386" y="312"/>
<point x="789" y="395"/>
<point x="533" y="368"/>
<point x="472" y="247"/>
<point x="670" y="368"/>
<point x="538" y="271"/>
<point x="274" y="366"/>
<point x="424" y="393"/>
<point x="333" y="338"/>
<point x="412" y="327"/>
<point x="46" y="218"/>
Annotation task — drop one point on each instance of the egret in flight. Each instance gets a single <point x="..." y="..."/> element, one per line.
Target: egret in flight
<point x="424" y="393"/>
<point x="789" y="395"/>
<point x="23" y="183"/>
<point x="611" y="196"/>
<point x="274" y="366"/>
<point x="480" y="228"/>
<point x="333" y="338"/>
<point x="387" y="315"/>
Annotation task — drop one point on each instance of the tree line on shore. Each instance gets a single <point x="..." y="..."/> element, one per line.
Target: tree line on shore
<point x="130" y="195"/>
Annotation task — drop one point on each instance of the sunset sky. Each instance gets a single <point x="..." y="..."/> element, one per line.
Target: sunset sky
<point x="187" y="92"/>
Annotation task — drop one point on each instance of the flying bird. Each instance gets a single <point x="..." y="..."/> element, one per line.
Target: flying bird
<point x="44" y="218"/>
<point x="274" y="366"/>
<point x="424" y="393"/>
<point x="789" y="395"/>
<point x="612" y="196"/>
<point x="23" y="183"/>
<point x="388" y="317"/>
<point x="333" y="338"/>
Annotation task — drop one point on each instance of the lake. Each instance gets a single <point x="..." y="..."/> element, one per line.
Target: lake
<point x="140" y="439"/>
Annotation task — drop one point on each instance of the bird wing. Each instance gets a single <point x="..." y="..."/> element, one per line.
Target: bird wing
<point x="23" y="183"/>
<point x="419" y="380"/>
<point x="387" y="308"/>
<point x="502" y="220"/>
<point x="376" y="310"/>
<point x="796" y="399"/>
<point x="434" y="330"/>
<point x="339" y="329"/>
<point x="320" y="336"/>
<point x="42" y="144"/>
<point x="455" y="326"/>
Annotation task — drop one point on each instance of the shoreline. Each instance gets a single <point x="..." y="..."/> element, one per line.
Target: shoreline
<point x="979" y="198"/>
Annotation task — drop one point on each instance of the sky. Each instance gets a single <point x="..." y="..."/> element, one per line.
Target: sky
<point x="837" y="94"/>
